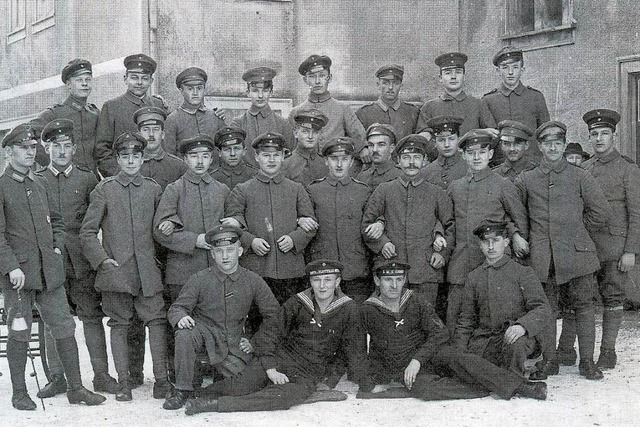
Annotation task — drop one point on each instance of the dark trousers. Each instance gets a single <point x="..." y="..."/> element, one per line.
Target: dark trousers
<point x="509" y="356"/>
<point x="454" y="306"/>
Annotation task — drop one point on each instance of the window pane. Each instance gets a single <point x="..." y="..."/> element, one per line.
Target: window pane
<point x="548" y="13"/>
<point x="44" y="9"/>
<point x="520" y="16"/>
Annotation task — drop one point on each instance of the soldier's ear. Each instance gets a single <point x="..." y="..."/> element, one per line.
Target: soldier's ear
<point x="240" y="251"/>
<point x="491" y="152"/>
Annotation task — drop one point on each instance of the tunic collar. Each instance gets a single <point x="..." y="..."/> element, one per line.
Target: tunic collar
<point x="56" y="172"/>
<point x="519" y="165"/>
<point x="414" y="180"/>
<point x="479" y="176"/>
<point x="557" y="167"/>
<point x="159" y="155"/>
<point x="75" y="103"/>
<point x="264" y="111"/>
<point x="18" y="176"/>
<point x="396" y="104"/>
<point x="449" y="161"/>
<point x="223" y="276"/>
<point x="196" y="179"/>
<point x="502" y="261"/>
<point x="345" y="180"/>
<point x="459" y="97"/>
<point x="319" y="98"/>
<point x="614" y="154"/>
<point x="306" y="153"/>
<point x="125" y="179"/>
<point x="263" y="178"/>
<point x="190" y="110"/>
<point x="382" y="168"/>
<point x="506" y="91"/>
<point x="136" y="99"/>
<point x="235" y="170"/>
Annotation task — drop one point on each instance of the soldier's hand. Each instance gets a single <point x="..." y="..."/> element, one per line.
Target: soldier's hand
<point x="245" y="345"/>
<point x="365" y="155"/>
<point x="202" y="243"/>
<point x="17" y="278"/>
<point x="277" y="377"/>
<point x="513" y="333"/>
<point x="389" y="250"/>
<point x="520" y="245"/>
<point x="260" y="246"/>
<point x="186" y="322"/>
<point x="411" y="372"/>
<point x="165" y="105"/>
<point x="232" y="222"/>
<point x="57" y="250"/>
<point x="439" y="243"/>
<point x="285" y="243"/>
<point x="220" y="113"/>
<point x="495" y="133"/>
<point x="166" y="227"/>
<point x="379" y="388"/>
<point x="627" y="262"/>
<point x="307" y="224"/>
<point x="374" y="231"/>
<point x="109" y="261"/>
<point x="437" y="260"/>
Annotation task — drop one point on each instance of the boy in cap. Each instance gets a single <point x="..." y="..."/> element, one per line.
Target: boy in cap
<point x="305" y="163"/>
<point x="158" y="165"/>
<point x="31" y="244"/>
<point x="117" y="113"/>
<point x="192" y="117"/>
<point x="269" y="207"/>
<point x="389" y="108"/>
<point x="338" y="202"/>
<point x="479" y="196"/>
<point x="293" y="349"/>
<point x="449" y="165"/>
<point x="408" y="209"/>
<point x="233" y="166"/>
<point x="513" y="100"/>
<point x="70" y="188"/>
<point x="504" y="309"/>
<point x="409" y="344"/>
<point x="210" y="312"/>
<point x="260" y="118"/>
<point x="122" y="207"/>
<point x="515" y="139"/>
<point x="575" y="154"/>
<point x="316" y="73"/>
<point x="561" y="200"/>
<point x="454" y="101"/>
<point x="77" y="77"/>
<point x="619" y="242"/>
<point x="381" y="140"/>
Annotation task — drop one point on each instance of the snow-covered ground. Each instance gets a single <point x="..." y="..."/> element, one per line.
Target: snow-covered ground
<point x="572" y="401"/>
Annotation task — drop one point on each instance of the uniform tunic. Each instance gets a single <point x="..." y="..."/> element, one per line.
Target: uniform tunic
<point x="304" y="166"/>
<point x="445" y="170"/>
<point x="342" y="119"/>
<point x="462" y="105"/>
<point x="85" y="123"/>
<point x="561" y="199"/>
<point x="115" y="119"/>
<point x="377" y="174"/>
<point x="258" y="121"/>
<point x="411" y="210"/>
<point x="231" y="177"/>
<point x="401" y="115"/>
<point x="195" y="204"/>
<point x="185" y="122"/>
<point x="123" y="207"/>
<point x="163" y="168"/>
<point x="270" y="208"/>
<point x="339" y="207"/>
<point x="511" y="170"/>
<point x="478" y="197"/>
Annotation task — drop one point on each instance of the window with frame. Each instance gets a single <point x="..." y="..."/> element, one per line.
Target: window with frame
<point x="539" y="23"/>
<point x="44" y="15"/>
<point x="17" y="24"/>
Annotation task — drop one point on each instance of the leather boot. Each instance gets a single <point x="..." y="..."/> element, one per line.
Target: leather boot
<point x="177" y="399"/>
<point x="544" y="369"/>
<point x="57" y="385"/>
<point x="611" y="320"/>
<point x="105" y="383"/>
<point x="589" y="370"/>
<point x="96" y="343"/>
<point x="158" y="347"/>
<point x="607" y="359"/>
<point x="17" y="359"/>
<point x="566" y="352"/>
<point x="532" y="390"/>
<point x="22" y="402"/>
<point x="76" y="393"/>
<point x="136" y="350"/>
<point x="120" y="351"/>
<point x="199" y="406"/>
<point x="80" y="395"/>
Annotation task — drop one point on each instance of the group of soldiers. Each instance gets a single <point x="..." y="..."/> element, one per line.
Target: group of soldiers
<point x="272" y="247"/>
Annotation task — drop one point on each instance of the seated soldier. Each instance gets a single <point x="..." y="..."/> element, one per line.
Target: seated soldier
<point x="504" y="308"/>
<point x="210" y="312"/>
<point x="409" y="343"/>
<point x="294" y="349"/>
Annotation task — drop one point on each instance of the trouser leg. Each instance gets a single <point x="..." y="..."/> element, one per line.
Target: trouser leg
<point x="271" y="398"/>
<point x="136" y="347"/>
<point x="434" y="387"/>
<point x="17" y="358"/>
<point x="581" y="296"/>
<point x="454" y="306"/>
<point x="547" y="337"/>
<point x="68" y="351"/>
<point x="250" y="380"/>
<point x="611" y="282"/>
<point x="158" y="345"/>
<point x="53" y="360"/>
<point x="187" y="344"/>
<point x="120" y="352"/>
<point x="96" y="342"/>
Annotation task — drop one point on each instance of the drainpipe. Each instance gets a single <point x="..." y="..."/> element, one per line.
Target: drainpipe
<point x="152" y="10"/>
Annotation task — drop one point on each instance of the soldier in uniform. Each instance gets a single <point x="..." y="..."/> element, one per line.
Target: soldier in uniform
<point x="78" y="78"/>
<point x="575" y="154"/>
<point x="389" y="108"/>
<point x="305" y="163"/>
<point x="618" y="242"/>
<point x="514" y="143"/>
<point x="408" y="209"/>
<point x="505" y="309"/>
<point x="234" y="167"/>
<point x="260" y="118"/>
<point x="269" y="206"/>
<point x="338" y="202"/>
<point x="293" y="349"/>
<point x="513" y="100"/>
<point x="316" y="73"/>
<point x="31" y="244"/>
<point x="162" y="167"/>
<point x="480" y="196"/>
<point x="562" y="199"/>
<point x="192" y="117"/>
<point x="70" y="188"/>
<point x="409" y="344"/>
<point x="116" y="115"/>
<point x="449" y="165"/>
<point x="210" y="312"/>
<point x="454" y="101"/>
<point x="122" y="207"/>
<point x="381" y="140"/>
